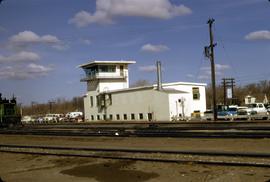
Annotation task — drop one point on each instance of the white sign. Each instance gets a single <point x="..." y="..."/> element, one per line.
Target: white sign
<point x="229" y="93"/>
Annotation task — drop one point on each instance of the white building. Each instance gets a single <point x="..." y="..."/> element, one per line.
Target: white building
<point x="110" y="98"/>
<point x="250" y="100"/>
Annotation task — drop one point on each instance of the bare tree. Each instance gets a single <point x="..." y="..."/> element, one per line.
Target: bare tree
<point x="140" y="83"/>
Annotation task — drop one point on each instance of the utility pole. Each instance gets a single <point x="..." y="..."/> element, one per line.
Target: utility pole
<point x="50" y="104"/>
<point x="209" y="53"/>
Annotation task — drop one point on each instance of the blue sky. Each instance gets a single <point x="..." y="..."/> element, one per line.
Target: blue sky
<point x="42" y="42"/>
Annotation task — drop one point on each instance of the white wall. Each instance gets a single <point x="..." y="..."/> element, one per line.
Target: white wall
<point x="136" y="102"/>
<point x="141" y="101"/>
<point x="190" y="104"/>
<point x="176" y="107"/>
<point x="161" y="104"/>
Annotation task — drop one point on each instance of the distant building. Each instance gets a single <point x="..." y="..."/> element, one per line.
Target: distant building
<point x="250" y="100"/>
<point x="110" y="98"/>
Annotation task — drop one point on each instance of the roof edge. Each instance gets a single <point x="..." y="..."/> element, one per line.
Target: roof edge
<point x="94" y="62"/>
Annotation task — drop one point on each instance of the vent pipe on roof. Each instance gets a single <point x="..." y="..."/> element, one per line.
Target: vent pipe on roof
<point x="159" y="81"/>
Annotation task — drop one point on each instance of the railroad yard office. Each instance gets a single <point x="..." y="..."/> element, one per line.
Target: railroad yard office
<point x="110" y="98"/>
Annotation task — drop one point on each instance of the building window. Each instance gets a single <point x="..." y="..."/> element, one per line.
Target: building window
<point x="107" y="68"/>
<point x="117" y="116"/>
<point x="91" y="101"/>
<point x="150" y="117"/>
<point x="196" y="93"/>
<point x="141" y="115"/>
<point x="111" y="117"/>
<point x="104" y="117"/>
<point x="97" y="99"/>
<point x="92" y="117"/>
<point x="132" y="116"/>
<point x="98" y="117"/>
<point x="125" y="116"/>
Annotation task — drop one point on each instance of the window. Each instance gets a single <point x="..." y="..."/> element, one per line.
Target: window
<point x="196" y="93"/>
<point x="122" y="70"/>
<point x="150" y="117"/>
<point x="104" y="117"/>
<point x="111" y="117"/>
<point x="141" y="115"/>
<point x="106" y="68"/>
<point x="132" y="116"/>
<point x="92" y="117"/>
<point x="97" y="98"/>
<point x="117" y="116"/>
<point x="91" y="101"/>
<point x="91" y="71"/>
<point x="98" y="117"/>
<point x="125" y="116"/>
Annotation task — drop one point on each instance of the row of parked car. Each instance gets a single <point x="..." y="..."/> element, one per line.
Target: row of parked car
<point x="249" y="112"/>
<point x="54" y="118"/>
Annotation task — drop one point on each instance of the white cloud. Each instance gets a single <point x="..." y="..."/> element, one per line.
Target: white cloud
<point x="26" y="38"/>
<point x="190" y="75"/>
<point x="106" y="10"/>
<point x="23" y="56"/>
<point x="218" y="67"/>
<point x="258" y="35"/>
<point x="87" y="41"/>
<point x="24" y="72"/>
<point x="219" y="71"/>
<point x="154" y="48"/>
<point x="60" y="47"/>
<point x="149" y="68"/>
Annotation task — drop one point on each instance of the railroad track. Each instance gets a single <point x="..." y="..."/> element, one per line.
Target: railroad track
<point x="201" y="157"/>
<point x="194" y="130"/>
<point x="146" y="133"/>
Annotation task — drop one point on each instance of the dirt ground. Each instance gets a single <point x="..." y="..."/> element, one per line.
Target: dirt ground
<point x="235" y="145"/>
<point x="25" y="167"/>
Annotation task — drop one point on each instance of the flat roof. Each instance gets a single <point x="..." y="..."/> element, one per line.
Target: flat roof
<point x="182" y="83"/>
<point x="95" y="62"/>
<point x="150" y="87"/>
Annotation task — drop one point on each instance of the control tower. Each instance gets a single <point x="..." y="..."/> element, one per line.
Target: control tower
<point x="102" y="77"/>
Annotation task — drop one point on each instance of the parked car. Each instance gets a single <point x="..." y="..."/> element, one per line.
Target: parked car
<point x="74" y="116"/>
<point x="26" y="119"/>
<point x="257" y="111"/>
<point x="207" y="115"/>
<point x="231" y="112"/>
<point x="242" y="113"/>
<point x="50" y="118"/>
<point x="268" y="109"/>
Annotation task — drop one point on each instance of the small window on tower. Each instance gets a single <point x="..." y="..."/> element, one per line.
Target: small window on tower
<point x="91" y="101"/>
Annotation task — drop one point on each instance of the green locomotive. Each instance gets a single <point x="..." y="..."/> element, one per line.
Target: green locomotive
<point x="9" y="112"/>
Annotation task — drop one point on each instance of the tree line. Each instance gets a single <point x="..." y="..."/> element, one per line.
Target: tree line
<point x="258" y="90"/>
<point x="59" y="106"/>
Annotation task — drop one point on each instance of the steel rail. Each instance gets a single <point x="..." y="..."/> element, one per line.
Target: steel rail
<point x="103" y="153"/>
<point x="145" y="133"/>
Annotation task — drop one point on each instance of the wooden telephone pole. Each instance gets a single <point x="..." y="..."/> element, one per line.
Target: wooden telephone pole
<point x="209" y="53"/>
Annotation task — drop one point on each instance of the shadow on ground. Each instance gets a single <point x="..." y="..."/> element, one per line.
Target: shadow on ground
<point x="111" y="172"/>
